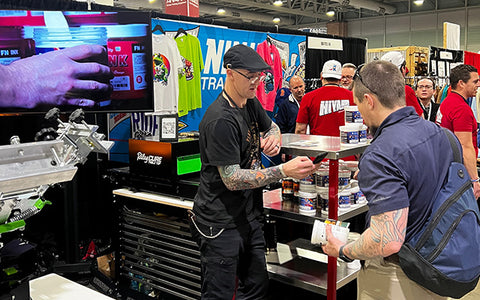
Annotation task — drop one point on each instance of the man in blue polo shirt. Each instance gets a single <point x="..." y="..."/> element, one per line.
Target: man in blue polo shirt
<point x="399" y="173"/>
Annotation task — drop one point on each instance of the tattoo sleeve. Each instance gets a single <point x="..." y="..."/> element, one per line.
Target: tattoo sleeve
<point x="236" y="178"/>
<point x="273" y="130"/>
<point x="385" y="235"/>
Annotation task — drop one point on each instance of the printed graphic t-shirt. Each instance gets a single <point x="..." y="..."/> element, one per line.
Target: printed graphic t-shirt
<point x="190" y="95"/>
<point x="267" y="90"/>
<point x="167" y="67"/>
<point x="323" y="109"/>
<point x="229" y="136"/>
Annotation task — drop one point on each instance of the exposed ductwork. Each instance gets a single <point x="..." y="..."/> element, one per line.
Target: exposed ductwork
<point x="243" y="15"/>
<point x="379" y="7"/>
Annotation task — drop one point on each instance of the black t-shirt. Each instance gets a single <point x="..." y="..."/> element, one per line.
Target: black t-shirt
<point x="229" y="136"/>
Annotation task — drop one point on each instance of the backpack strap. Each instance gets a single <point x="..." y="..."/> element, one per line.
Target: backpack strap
<point x="457" y="157"/>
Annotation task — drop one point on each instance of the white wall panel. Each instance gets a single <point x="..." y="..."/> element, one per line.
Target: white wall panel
<point x="398" y="24"/>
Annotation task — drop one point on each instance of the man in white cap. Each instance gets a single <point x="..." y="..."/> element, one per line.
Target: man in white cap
<point x="397" y="59"/>
<point x="323" y="108"/>
<point x="226" y="217"/>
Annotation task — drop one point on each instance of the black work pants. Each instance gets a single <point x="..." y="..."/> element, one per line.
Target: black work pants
<point x="233" y="263"/>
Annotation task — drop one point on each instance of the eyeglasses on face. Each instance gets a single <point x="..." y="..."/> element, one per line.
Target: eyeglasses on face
<point x="421" y="87"/>
<point x="347" y="77"/>
<point x="253" y="79"/>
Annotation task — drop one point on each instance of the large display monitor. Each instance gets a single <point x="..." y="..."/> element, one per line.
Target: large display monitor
<point x="99" y="61"/>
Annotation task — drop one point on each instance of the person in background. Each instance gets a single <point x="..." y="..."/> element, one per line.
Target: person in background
<point x="456" y="114"/>
<point x="288" y="110"/>
<point x="226" y="217"/>
<point x="397" y="59"/>
<point x="61" y="77"/>
<point x="323" y="109"/>
<point x="348" y="71"/>
<point x="399" y="195"/>
<point x="424" y="90"/>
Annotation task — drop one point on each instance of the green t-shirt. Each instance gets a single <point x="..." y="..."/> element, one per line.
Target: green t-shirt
<point x="190" y="95"/>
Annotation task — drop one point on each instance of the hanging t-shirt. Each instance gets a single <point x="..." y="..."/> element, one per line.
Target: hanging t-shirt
<point x="167" y="72"/>
<point x="267" y="90"/>
<point x="324" y="109"/>
<point x="190" y="95"/>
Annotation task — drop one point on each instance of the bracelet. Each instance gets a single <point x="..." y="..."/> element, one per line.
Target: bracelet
<point x="475" y="180"/>
<point x="342" y="256"/>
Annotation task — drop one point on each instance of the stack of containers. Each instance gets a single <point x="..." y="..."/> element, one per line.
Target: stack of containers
<point x="307" y="196"/>
<point x="353" y="132"/>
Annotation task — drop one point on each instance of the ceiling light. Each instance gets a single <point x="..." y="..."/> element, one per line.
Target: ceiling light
<point x="278" y="3"/>
<point x="418" y="2"/>
<point x="330" y="13"/>
<point x="276" y="20"/>
<point x="221" y="11"/>
<point x="151" y="1"/>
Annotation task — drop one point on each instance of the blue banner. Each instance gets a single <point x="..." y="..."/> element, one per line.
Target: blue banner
<point x="215" y="41"/>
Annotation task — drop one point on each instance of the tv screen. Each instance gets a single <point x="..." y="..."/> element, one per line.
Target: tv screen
<point x="98" y="61"/>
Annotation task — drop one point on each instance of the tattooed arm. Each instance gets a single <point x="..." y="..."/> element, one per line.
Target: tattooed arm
<point x="236" y="178"/>
<point x="384" y="237"/>
<point x="274" y="130"/>
<point x="270" y="143"/>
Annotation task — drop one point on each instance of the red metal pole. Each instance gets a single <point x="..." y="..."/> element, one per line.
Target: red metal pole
<point x="332" y="214"/>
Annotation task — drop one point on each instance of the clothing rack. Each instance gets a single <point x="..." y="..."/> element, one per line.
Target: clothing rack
<point x="438" y="80"/>
<point x="312" y="84"/>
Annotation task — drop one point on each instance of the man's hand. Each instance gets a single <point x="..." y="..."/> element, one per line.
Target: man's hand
<point x="68" y="76"/>
<point x="299" y="167"/>
<point x="270" y="145"/>
<point x="332" y="247"/>
<point x="476" y="189"/>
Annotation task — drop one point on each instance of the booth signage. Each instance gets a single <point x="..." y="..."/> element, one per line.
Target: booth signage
<point x="446" y="55"/>
<point x="325" y="43"/>
<point x="188" y="8"/>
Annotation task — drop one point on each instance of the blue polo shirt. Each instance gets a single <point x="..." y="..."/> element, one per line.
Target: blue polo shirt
<point x="404" y="166"/>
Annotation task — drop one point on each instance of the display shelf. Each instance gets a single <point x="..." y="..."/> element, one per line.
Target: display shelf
<point x="312" y="145"/>
<point x="308" y="270"/>
<point x="289" y="209"/>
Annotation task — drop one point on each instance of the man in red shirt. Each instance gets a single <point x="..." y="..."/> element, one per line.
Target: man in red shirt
<point x="323" y="109"/>
<point x="455" y="114"/>
<point x="397" y="59"/>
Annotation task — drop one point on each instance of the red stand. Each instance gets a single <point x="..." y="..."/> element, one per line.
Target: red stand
<point x="332" y="214"/>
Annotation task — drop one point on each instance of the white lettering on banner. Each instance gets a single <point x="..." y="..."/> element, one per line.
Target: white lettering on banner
<point x="145" y="123"/>
<point x="332" y="106"/>
<point x="149" y="159"/>
<point x="212" y="83"/>
<point x="214" y="56"/>
<point x="213" y="60"/>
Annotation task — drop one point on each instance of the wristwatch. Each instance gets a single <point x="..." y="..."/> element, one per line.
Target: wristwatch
<point x="342" y="256"/>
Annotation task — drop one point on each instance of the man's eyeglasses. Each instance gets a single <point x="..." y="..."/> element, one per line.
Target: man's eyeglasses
<point x="421" y="87"/>
<point x="252" y="79"/>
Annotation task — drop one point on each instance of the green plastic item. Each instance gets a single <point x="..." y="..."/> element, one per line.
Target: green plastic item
<point x="188" y="164"/>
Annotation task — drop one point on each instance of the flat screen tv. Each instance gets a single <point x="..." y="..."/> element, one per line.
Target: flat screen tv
<point x="99" y="61"/>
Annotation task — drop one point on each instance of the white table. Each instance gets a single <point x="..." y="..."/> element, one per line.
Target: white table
<point x="53" y="286"/>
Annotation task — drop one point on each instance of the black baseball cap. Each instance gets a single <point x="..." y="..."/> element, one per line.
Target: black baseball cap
<point x="244" y="57"/>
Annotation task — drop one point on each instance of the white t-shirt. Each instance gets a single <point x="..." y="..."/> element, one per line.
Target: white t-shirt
<point x="167" y="68"/>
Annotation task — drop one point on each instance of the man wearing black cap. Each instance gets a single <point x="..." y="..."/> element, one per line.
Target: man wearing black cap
<point x="225" y="219"/>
